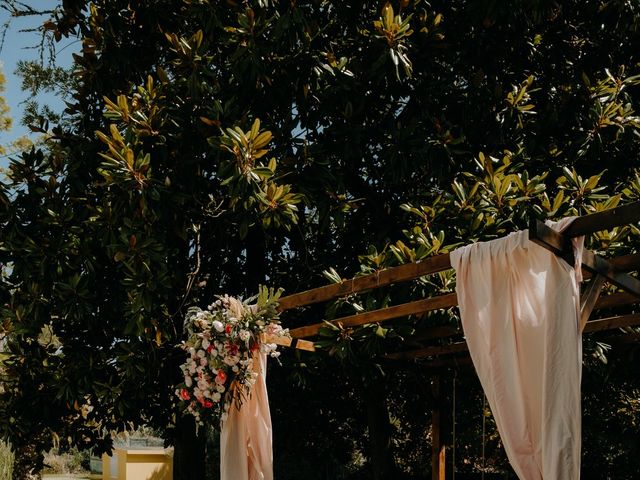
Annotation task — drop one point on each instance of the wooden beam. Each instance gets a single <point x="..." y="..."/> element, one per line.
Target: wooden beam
<point x="383" y="314"/>
<point x="428" y="305"/>
<point x="432" y="351"/>
<point x="546" y="237"/>
<point x="599" y="265"/>
<point x="388" y="276"/>
<point x="623" y="263"/>
<point x="437" y="448"/>
<point x="626" y="263"/>
<point x="624" y="339"/>
<point x="610" y="301"/>
<point x="437" y="332"/>
<point x="598" y="325"/>
<point x="290" y="342"/>
<point x="596" y="222"/>
<point x="613" y="300"/>
<point x="442" y="462"/>
<point x="617" y="299"/>
<point x="611" y="323"/>
<point x="589" y="299"/>
<point x="560" y="244"/>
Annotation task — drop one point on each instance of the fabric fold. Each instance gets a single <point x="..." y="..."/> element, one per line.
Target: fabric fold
<point x="519" y="306"/>
<point x="246" y="436"/>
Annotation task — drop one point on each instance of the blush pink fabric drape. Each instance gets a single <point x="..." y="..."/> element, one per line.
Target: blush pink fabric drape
<point x="245" y="440"/>
<point x="519" y="305"/>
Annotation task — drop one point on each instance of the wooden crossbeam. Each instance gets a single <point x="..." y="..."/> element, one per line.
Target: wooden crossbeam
<point x="617" y="299"/>
<point x="432" y="351"/>
<point x="291" y="342"/>
<point x="539" y="233"/>
<point x="457" y="347"/>
<point x="610" y="323"/>
<point x="434" y="303"/>
<point x="589" y="299"/>
<point x="625" y="263"/>
<point x="560" y="244"/>
<point x="402" y="273"/>
<point x="412" y="308"/>
<point x="624" y="339"/>
<point x="605" y="220"/>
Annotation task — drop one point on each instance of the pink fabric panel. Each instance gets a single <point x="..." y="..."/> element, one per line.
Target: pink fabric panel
<point x="245" y="440"/>
<point x="519" y="306"/>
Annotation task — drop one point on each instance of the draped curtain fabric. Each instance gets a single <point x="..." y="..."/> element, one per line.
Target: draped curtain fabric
<point x="519" y="305"/>
<point x="245" y="440"/>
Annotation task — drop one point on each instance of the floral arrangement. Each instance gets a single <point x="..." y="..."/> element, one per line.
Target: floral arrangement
<point x="223" y="340"/>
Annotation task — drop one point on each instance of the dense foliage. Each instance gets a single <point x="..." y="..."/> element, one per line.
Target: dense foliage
<point x="212" y="146"/>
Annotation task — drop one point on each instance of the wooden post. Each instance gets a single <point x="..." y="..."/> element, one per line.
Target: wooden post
<point x="438" y="454"/>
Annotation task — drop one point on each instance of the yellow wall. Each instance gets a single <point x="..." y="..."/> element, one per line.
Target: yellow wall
<point x="142" y="464"/>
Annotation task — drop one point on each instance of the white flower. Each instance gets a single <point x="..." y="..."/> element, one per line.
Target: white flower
<point x="244" y="335"/>
<point x="216" y="397"/>
<point x="214" y="353"/>
<point x="220" y="388"/>
<point x="188" y="381"/>
<point x="268" y="348"/>
<point x="205" y="343"/>
<point x="203" y="362"/>
<point x="218" y="326"/>
<point x="201" y="353"/>
<point x="235" y="369"/>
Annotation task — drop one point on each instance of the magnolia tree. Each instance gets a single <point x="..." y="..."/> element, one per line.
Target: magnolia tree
<point x="210" y="147"/>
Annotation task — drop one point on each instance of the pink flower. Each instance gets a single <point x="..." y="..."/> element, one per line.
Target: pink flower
<point x="184" y="394"/>
<point x="221" y="377"/>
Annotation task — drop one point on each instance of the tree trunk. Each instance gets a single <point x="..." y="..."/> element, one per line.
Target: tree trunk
<point x="380" y="452"/>
<point x="189" y="454"/>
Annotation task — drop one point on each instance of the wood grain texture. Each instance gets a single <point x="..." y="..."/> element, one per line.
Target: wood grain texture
<point x="290" y="342"/>
<point x="598" y="325"/>
<point x="611" y="323"/>
<point x="383" y="314"/>
<point x="382" y="278"/>
<point x="613" y="300"/>
<point x="589" y="299"/>
<point x="596" y="222"/>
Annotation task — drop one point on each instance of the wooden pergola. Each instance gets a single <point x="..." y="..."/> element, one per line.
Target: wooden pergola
<point x="450" y="339"/>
